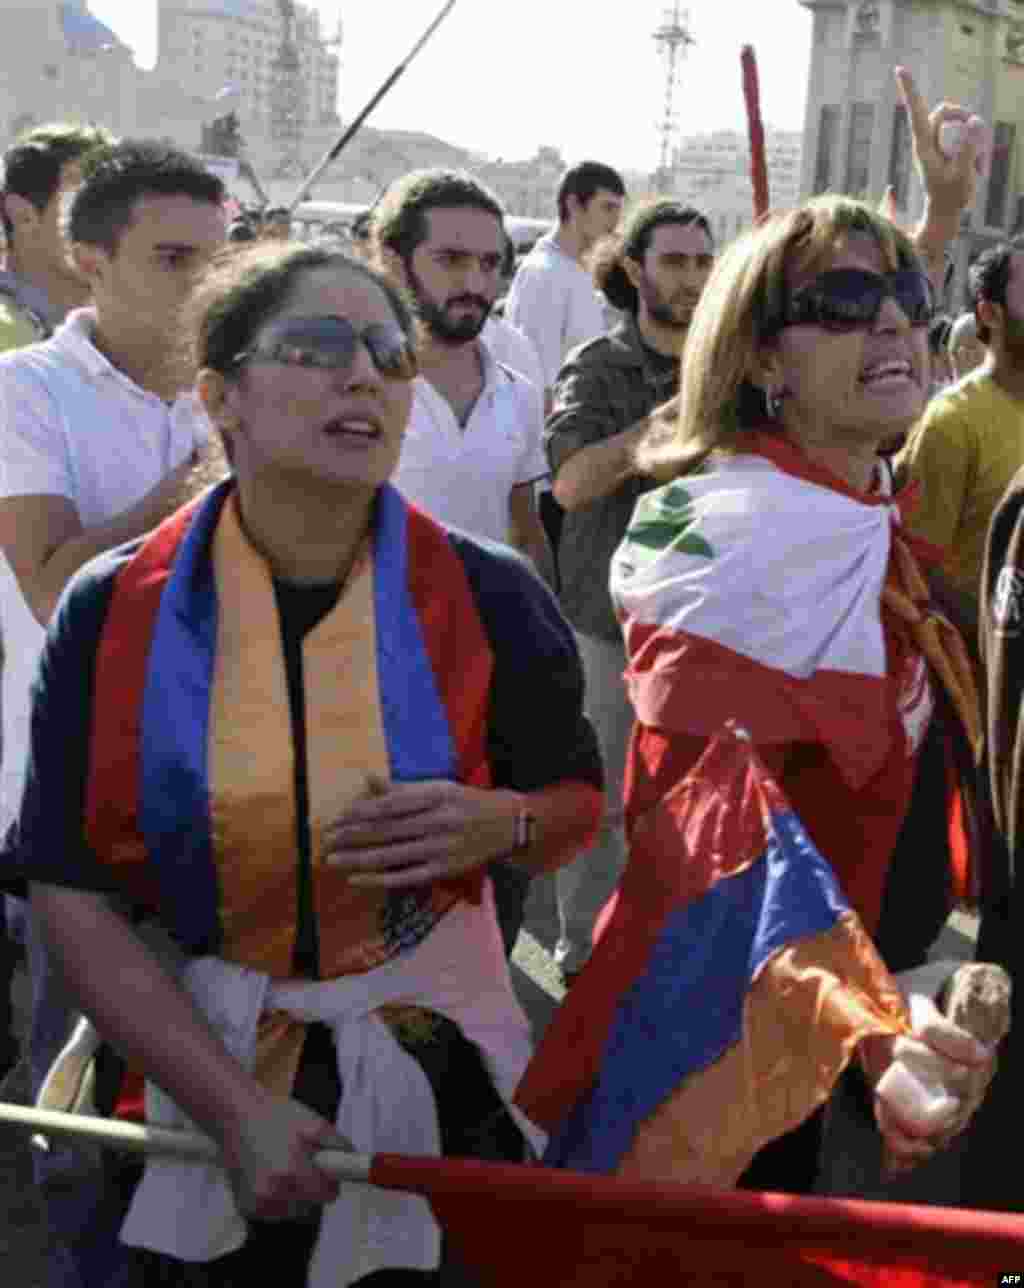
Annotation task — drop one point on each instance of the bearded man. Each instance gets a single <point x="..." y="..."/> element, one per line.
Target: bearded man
<point x="606" y="397"/>
<point x="970" y="442"/>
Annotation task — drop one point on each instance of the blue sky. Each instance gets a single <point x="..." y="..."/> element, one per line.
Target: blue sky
<point x="503" y="77"/>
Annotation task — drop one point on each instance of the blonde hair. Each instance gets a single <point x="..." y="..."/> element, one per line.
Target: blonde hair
<point x="741" y="306"/>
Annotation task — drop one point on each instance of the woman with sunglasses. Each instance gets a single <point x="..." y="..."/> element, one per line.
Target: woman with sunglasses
<point x="770" y="582"/>
<point x="294" y="725"/>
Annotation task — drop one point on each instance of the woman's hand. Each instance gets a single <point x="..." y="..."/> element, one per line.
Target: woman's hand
<point x="948" y="1060"/>
<point x="416" y="833"/>
<point x="269" y="1157"/>
<point x="950" y="182"/>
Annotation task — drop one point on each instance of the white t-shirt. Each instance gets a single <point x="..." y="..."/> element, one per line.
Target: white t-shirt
<point x="553" y="300"/>
<point x="463" y="476"/>
<point x="73" y="426"/>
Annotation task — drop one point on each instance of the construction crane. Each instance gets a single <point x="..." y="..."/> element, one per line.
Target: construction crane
<point x="673" y="39"/>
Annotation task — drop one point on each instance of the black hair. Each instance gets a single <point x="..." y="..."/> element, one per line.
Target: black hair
<point x="32" y="164"/>
<point x="245" y="287"/>
<point x="116" y="177"/>
<point x="988" y="278"/>
<point x="582" y="181"/>
<point x="633" y="243"/>
<point x="400" y="220"/>
<point x="274" y="213"/>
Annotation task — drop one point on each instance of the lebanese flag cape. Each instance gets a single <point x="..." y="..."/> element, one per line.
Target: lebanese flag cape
<point x="763" y="589"/>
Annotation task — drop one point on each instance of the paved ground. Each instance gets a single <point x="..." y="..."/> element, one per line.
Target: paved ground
<point x="23" y="1236"/>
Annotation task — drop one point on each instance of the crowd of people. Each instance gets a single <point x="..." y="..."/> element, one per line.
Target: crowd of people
<point x="318" y="650"/>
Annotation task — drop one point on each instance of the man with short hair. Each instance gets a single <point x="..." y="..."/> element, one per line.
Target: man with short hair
<point x="970" y="441"/>
<point x="552" y="298"/>
<point x="39" y="284"/>
<point x="473" y="447"/>
<point x="608" y="394"/>
<point x="101" y="433"/>
<point x="37" y="288"/>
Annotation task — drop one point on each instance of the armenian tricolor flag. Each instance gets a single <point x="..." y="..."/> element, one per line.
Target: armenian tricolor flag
<point x="727" y="993"/>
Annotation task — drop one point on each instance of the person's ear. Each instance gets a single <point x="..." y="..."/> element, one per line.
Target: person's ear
<point x="89" y="261"/>
<point x="764" y="370"/>
<point x="21" y="212"/>
<point x="218" y="398"/>
<point x="392" y="265"/>
<point x="633" y="270"/>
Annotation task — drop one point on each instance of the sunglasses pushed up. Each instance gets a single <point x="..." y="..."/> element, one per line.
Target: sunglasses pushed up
<point x="850" y="299"/>
<point x="329" y="343"/>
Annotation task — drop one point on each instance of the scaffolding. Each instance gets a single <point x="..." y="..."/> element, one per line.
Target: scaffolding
<point x="673" y="39"/>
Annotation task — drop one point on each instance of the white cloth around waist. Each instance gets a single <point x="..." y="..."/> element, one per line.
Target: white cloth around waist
<point x="187" y="1209"/>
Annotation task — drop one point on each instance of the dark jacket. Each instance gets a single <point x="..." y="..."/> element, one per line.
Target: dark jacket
<point x="605" y="386"/>
<point x="990" y="1175"/>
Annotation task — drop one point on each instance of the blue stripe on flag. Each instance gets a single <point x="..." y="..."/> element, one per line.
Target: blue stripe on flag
<point x="174" y="814"/>
<point x="686" y="1009"/>
<point x="416" y="726"/>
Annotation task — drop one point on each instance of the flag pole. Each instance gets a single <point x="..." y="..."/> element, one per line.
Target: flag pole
<point x="755" y="130"/>
<point x="133" y="1138"/>
<point x="334" y="151"/>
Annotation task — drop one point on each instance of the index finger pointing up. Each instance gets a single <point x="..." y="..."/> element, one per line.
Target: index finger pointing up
<point x="917" y="108"/>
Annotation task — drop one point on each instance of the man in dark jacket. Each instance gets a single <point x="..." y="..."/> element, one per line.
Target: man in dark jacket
<point x="607" y="394"/>
<point x="991" y="1178"/>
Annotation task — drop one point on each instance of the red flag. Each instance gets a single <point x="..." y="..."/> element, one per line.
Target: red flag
<point x="559" y="1229"/>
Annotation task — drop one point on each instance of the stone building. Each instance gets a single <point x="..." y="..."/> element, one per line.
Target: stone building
<point x="857" y="137"/>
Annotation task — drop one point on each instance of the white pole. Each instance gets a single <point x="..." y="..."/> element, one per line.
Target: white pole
<point x="135" y="1139"/>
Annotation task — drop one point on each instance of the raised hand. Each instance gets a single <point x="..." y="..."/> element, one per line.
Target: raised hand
<point x="950" y="181"/>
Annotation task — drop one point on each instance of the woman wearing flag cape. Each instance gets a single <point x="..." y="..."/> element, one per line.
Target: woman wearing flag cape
<point x="294" y="725"/>
<point x="770" y="581"/>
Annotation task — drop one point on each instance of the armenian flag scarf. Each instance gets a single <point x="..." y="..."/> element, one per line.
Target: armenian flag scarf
<point x="191" y="791"/>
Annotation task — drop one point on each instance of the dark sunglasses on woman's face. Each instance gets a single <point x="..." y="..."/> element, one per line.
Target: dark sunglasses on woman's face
<point x="329" y="343"/>
<point x="850" y="299"/>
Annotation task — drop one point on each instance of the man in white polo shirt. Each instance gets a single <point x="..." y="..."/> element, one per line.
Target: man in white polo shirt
<point x="100" y="441"/>
<point x="473" y="446"/>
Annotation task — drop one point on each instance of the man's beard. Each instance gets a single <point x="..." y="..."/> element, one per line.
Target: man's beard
<point x="435" y="316"/>
<point x="659" y="310"/>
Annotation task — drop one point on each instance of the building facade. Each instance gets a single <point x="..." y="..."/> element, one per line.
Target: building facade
<point x="712" y="171"/>
<point x="212" y="44"/>
<point x="856" y="131"/>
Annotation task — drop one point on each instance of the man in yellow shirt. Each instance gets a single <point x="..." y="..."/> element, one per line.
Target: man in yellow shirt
<point x="970" y="441"/>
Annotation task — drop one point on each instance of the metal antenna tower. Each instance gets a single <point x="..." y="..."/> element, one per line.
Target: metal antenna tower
<point x="672" y="39"/>
<point x="287" y="99"/>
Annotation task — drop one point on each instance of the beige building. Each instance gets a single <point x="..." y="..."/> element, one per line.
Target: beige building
<point x="211" y="44"/>
<point x="856" y="133"/>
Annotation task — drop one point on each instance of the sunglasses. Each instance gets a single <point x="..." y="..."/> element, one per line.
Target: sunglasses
<point x="850" y="299"/>
<point x="329" y="343"/>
